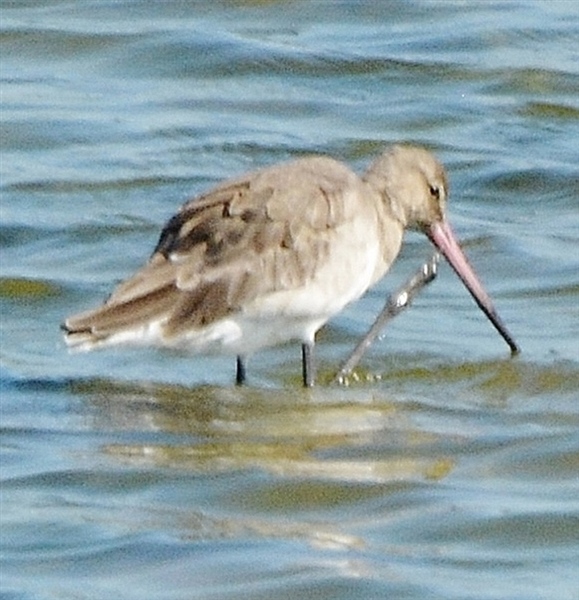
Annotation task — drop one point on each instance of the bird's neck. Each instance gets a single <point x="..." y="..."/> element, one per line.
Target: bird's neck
<point x="389" y="228"/>
<point x="377" y="177"/>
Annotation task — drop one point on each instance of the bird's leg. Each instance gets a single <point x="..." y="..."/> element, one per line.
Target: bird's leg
<point x="395" y="304"/>
<point x="240" y="373"/>
<point x="308" y="369"/>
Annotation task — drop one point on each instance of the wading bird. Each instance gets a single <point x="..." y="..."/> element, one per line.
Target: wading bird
<point x="272" y="255"/>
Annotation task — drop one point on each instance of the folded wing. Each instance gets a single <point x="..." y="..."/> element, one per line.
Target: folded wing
<point x="250" y="237"/>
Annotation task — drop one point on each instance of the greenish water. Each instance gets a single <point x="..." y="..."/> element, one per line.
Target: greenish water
<point x="445" y="469"/>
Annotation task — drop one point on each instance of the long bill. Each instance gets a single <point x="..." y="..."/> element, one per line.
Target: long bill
<point x="441" y="235"/>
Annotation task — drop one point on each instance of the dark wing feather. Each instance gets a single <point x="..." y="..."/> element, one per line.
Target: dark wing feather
<point x="265" y="232"/>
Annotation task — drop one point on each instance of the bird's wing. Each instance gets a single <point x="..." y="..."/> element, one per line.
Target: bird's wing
<point x="261" y="233"/>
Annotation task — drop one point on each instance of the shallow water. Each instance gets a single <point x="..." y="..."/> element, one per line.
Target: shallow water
<point x="445" y="469"/>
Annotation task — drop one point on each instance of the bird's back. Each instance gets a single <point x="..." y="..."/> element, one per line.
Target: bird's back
<point x="268" y="243"/>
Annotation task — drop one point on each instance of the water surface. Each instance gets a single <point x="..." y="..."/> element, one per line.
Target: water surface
<point x="446" y="468"/>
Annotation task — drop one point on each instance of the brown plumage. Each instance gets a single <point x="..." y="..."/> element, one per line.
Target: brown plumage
<point x="270" y="256"/>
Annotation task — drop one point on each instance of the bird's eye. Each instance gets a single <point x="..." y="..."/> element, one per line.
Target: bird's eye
<point x="435" y="192"/>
